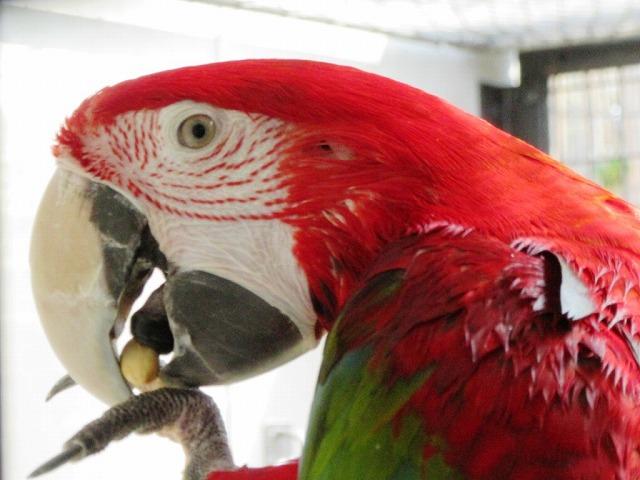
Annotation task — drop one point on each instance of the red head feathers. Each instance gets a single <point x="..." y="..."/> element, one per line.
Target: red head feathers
<point x="367" y="159"/>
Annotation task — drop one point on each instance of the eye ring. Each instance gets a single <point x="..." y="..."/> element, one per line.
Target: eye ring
<point x="196" y="131"/>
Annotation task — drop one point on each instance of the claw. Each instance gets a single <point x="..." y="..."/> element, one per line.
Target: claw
<point x="188" y="416"/>
<point x="74" y="452"/>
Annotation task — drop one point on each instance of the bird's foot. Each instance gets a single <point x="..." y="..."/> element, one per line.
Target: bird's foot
<point x="187" y="416"/>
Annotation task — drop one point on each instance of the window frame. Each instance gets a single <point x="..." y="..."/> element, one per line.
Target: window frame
<point x="522" y="111"/>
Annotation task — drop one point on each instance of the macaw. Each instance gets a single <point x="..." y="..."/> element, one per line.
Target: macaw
<point x="482" y="301"/>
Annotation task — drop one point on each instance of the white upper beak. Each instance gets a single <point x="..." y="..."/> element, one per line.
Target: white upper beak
<point x="77" y="310"/>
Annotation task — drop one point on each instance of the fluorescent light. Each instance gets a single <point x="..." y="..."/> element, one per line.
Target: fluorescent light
<point x="201" y="20"/>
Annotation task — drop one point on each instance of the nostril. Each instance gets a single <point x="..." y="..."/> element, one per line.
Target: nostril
<point x="150" y="325"/>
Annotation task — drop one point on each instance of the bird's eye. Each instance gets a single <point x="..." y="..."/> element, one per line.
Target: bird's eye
<point x="196" y="131"/>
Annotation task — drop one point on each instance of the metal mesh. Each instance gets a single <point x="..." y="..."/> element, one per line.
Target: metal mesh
<point x="594" y="125"/>
<point x="521" y="24"/>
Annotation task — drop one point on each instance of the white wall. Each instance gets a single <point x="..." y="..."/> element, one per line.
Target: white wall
<point x="52" y="57"/>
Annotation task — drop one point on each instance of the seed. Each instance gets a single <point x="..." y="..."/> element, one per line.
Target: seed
<point x="139" y="364"/>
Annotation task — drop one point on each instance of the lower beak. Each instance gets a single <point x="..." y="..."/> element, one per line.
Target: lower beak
<point x="83" y="258"/>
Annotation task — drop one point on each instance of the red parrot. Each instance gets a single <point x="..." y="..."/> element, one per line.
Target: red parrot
<point x="482" y="301"/>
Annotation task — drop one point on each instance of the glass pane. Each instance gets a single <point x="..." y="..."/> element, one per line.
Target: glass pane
<point x="594" y="125"/>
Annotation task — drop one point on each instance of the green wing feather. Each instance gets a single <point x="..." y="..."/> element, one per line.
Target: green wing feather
<point x="358" y="428"/>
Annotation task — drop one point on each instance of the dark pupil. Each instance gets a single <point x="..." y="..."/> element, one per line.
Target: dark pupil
<point x="198" y="130"/>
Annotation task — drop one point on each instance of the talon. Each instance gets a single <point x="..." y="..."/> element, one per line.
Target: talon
<point x="192" y="417"/>
<point x="73" y="452"/>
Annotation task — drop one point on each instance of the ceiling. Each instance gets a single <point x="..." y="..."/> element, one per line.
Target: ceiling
<point x="519" y="24"/>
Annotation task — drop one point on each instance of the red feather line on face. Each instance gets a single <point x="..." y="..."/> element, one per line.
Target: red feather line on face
<point x="240" y="170"/>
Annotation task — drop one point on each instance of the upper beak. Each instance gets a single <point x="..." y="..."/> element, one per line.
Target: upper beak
<point x="85" y="275"/>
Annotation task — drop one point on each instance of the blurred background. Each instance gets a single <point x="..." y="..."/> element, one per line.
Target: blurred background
<point x="562" y="74"/>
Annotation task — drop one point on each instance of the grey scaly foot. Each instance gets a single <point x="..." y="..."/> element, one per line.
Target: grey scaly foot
<point x="187" y="416"/>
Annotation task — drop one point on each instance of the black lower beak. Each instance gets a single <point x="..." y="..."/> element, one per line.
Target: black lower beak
<point x="222" y="331"/>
